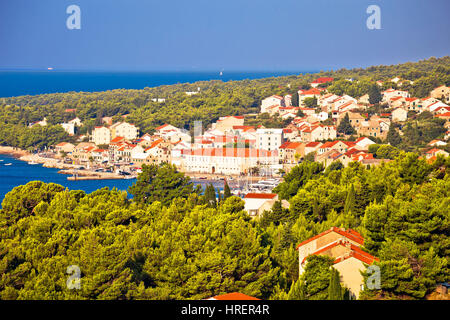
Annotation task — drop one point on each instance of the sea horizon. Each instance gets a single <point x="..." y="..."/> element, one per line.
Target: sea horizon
<point x="19" y="82"/>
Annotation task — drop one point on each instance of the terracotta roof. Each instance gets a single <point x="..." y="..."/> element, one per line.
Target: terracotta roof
<point x="234" y="296"/>
<point x="244" y="128"/>
<point x="226" y="117"/>
<point x="290" y="145"/>
<point x="232" y="152"/>
<point x="433" y="151"/>
<point x="369" y="259"/>
<point x="313" y="91"/>
<point x="260" y="195"/>
<point x="163" y="126"/>
<point x="312" y="144"/>
<point x="154" y="144"/>
<point x="61" y="144"/>
<point x="117" y="139"/>
<point x="349" y="233"/>
<point x="355" y="251"/>
<point x="323" y="80"/>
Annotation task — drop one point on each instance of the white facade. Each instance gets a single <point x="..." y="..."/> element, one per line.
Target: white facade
<point x="271" y="101"/>
<point x="101" y="135"/>
<point x="69" y="128"/>
<point x="227" y="160"/>
<point x="269" y="139"/>
<point x="126" y="130"/>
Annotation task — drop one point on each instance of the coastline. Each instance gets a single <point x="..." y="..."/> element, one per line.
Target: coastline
<point x="74" y="174"/>
<point x="67" y="169"/>
<point x="13" y="151"/>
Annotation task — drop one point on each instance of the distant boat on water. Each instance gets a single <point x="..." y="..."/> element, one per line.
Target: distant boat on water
<point x="32" y="162"/>
<point x="221" y="73"/>
<point x="8" y="164"/>
<point x="49" y="68"/>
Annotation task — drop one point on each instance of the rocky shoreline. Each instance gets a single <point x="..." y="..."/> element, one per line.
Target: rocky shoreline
<point x="13" y="151"/>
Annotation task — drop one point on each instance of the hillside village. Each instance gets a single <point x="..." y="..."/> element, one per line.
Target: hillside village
<point x="324" y="127"/>
<point x="334" y="130"/>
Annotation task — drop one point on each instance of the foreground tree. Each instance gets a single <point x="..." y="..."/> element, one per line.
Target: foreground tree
<point x="316" y="277"/>
<point x="161" y="183"/>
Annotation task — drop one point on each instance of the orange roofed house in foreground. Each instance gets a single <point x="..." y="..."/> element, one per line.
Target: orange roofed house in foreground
<point x="343" y="246"/>
<point x="233" y="296"/>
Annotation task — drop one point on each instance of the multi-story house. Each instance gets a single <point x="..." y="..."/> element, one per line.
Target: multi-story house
<point x="344" y="246"/>
<point x="229" y="161"/>
<point x="123" y="129"/>
<point x="101" y="135"/>
<point x="269" y="139"/>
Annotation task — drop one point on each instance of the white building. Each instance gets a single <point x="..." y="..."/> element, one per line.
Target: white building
<point x="69" y="128"/>
<point x="391" y="93"/>
<point x="269" y="139"/>
<point x="122" y="129"/>
<point x="271" y="101"/>
<point x="228" y="160"/>
<point x="101" y="135"/>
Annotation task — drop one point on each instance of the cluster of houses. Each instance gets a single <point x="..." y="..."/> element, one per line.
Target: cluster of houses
<point x="230" y="147"/>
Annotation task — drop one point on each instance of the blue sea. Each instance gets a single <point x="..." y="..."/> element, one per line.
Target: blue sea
<point x="16" y="83"/>
<point x="20" y="173"/>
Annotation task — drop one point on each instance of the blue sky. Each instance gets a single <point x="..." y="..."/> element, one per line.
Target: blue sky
<point x="214" y="35"/>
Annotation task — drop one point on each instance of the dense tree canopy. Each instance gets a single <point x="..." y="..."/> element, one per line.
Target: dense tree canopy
<point x="165" y="245"/>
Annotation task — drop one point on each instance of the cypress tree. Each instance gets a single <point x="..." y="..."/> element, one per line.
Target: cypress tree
<point x="350" y="201"/>
<point x="393" y="137"/>
<point x="345" y="126"/>
<point x="219" y="196"/>
<point x="335" y="291"/>
<point x="210" y="196"/>
<point x="226" y="191"/>
<point x="297" y="291"/>
<point x="374" y="94"/>
<point x="295" y="99"/>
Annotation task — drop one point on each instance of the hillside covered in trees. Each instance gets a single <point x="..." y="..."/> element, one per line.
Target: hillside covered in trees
<point x="169" y="242"/>
<point x="215" y="99"/>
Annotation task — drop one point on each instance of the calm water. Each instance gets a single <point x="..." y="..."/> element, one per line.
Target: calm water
<point x="20" y="173"/>
<point x="15" y="83"/>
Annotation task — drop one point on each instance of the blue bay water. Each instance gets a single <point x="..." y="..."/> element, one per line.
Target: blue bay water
<point x="20" y="173"/>
<point x="15" y="83"/>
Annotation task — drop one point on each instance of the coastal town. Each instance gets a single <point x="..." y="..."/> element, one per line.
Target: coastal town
<point x="200" y="161"/>
<point x="322" y="127"/>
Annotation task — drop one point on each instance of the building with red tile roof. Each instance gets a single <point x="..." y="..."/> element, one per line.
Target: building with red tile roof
<point x="344" y="246"/>
<point x="233" y="296"/>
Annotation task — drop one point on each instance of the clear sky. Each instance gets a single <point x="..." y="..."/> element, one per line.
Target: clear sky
<point x="200" y="35"/>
